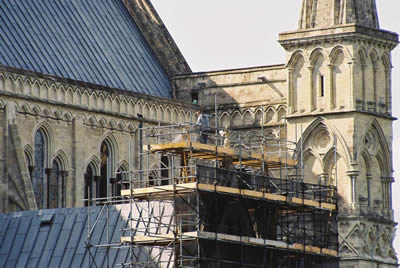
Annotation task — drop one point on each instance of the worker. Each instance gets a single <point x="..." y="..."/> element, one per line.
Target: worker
<point x="202" y="121"/>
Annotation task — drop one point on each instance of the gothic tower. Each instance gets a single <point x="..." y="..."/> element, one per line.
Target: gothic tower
<point x="339" y="94"/>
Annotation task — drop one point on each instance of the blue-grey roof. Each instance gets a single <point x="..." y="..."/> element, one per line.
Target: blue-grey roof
<point x="57" y="238"/>
<point x="94" y="41"/>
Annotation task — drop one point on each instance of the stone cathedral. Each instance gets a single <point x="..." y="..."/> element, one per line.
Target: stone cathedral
<point x="74" y="91"/>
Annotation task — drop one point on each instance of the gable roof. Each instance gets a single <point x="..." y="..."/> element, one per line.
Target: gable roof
<point x="57" y="237"/>
<point x="94" y="41"/>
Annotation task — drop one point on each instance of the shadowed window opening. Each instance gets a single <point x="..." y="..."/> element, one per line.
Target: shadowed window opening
<point x="321" y="86"/>
<point x="195" y="97"/>
<point x="90" y="185"/>
<point x="39" y="169"/>
<point x="56" y="187"/>
<point x="105" y="169"/>
<point x="164" y="170"/>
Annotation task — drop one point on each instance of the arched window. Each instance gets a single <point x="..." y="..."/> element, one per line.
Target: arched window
<point x="38" y="173"/>
<point x="164" y="170"/>
<point x="105" y="168"/>
<point x="153" y="178"/>
<point x="120" y="182"/>
<point x="56" y="186"/>
<point x="91" y="189"/>
<point x="29" y="163"/>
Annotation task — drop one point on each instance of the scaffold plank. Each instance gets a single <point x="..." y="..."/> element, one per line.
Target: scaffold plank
<point x="253" y="193"/>
<point x="160" y="189"/>
<point x="209" y="152"/>
<point x="267" y="242"/>
<point x="159" y="239"/>
<point x="188" y="187"/>
<point x="328" y="206"/>
<point x="163" y="239"/>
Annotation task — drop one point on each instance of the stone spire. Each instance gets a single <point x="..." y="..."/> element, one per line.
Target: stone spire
<point x="329" y="13"/>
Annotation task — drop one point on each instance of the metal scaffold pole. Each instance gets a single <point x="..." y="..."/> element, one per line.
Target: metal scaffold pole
<point x="180" y="212"/>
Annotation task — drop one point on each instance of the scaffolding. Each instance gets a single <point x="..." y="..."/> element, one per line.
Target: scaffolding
<point x="227" y="203"/>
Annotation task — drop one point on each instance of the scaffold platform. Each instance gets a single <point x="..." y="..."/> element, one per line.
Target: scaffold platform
<point x="212" y="152"/>
<point x="163" y="192"/>
<point x="168" y="239"/>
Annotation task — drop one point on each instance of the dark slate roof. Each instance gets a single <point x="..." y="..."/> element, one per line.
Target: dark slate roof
<point x="94" y="41"/>
<point x="56" y="237"/>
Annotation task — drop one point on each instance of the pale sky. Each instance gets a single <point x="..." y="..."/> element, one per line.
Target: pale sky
<point x="227" y="34"/>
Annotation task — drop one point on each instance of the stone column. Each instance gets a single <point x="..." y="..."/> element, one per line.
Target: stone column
<point x="51" y="188"/>
<point x="331" y="87"/>
<point x="88" y="189"/>
<point x="30" y="169"/>
<point x="96" y="181"/>
<point x="363" y="66"/>
<point x="387" y="192"/>
<point x="63" y="190"/>
<point x="291" y="108"/>
<point x="353" y="174"/>
<point x="369" y="179"/>
<point x="3" y="162"/>
<point x="352" y="100"/>
<point x="323" y="178"/>
<point x="388" y="84"/>
<point x="390" y="197"/>
<point x="313" y="89"/>
<point x="375" y="71"/>
<point x="113" y="182"/>
<point x="75" y="184"/>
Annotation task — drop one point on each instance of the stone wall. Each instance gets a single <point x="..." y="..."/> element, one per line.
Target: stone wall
<point x="75" y="118"/>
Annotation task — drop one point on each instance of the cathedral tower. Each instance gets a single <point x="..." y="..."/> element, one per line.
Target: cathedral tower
<point x="339" y="94"/>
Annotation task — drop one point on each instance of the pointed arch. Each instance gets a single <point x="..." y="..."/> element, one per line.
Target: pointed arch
<point x="314" y="167"/>
<point x="362" y="55"/>
<point x="146" y="110"/>
<point x="48" y="133"/>
<point x="281" y="114"/>
<point x="153" y="112"/>
<point x="68" y="117"/>
<point x="167" y="114"/>
<point x="248" y="118"/>
<point x="62" y="159"/>
<point x="57" y="177"/>
<point x="258" y="117"/>
<point x="94" y="161"/>
<point x="253" y="137"/>
<point x="29" y="155"/>
<point x="295" y="57"/>
<point x="296" y="83"/>
<point x="41" y="156"/>
<point x="225" y="120"/>
<point x="174" y="116"/>
<point x="108" y="160"/>
<point x="373" y="55"/>
<point x="91" y="179"/>
<point x="387" y="84"/>
<point x="154" y="176"/>
<point x="315" y="54"/>
<point x="380" y="145"/>
<point x="334" y="164"/>
<point x="121" y="178"/>
<point x="269" y="115"/>
<point x="386" y="61"/>
<point x="236" y="119"/>
<point x="341" y="144"/>
<point x="337" y="50"/>
<point x="43" y="141"/>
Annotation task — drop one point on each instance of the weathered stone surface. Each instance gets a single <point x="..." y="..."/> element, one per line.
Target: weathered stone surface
<point x="332" y="97"/>
<point x="327" y="13"/>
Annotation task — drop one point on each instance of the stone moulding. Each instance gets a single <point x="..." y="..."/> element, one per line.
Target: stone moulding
<point x="88" y="97"/>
